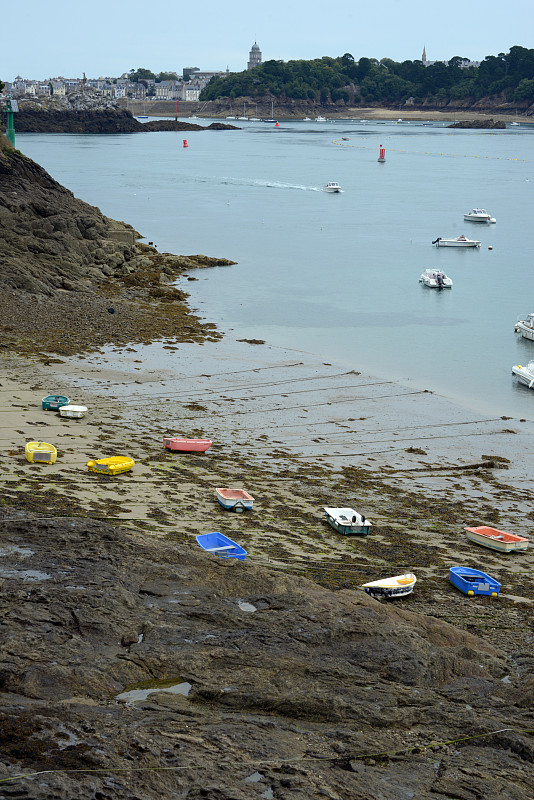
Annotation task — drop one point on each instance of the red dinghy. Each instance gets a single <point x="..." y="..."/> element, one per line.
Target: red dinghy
<point x="186" y="445"/>
<point x="497" y="540"/>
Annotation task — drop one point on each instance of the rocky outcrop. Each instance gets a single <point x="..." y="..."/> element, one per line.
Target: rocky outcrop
<point x="113" y="120"/>
<point x="480" y="124"/>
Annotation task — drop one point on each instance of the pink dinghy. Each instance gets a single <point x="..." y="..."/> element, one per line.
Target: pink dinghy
<point x="186" y="445"/>
<point x="497" y="540"/>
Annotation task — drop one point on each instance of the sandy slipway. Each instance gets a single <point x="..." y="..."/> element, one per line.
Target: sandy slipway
<point x="276" y="677"/>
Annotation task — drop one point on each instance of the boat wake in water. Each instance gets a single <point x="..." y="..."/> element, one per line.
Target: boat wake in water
<point x="265" y="184"/>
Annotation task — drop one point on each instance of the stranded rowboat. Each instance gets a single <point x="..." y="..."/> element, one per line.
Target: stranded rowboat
<point x="113" y="465"/>
<point x="42" y="452"/>
<point x="53" y="402"/>
<point x="398" y="586"/>
<point x="74" y="412"/>
<point x="234" y="499"/>
<point x="496" y="540"/>
<point x="221" y="545"/>
<point x="186" y="445"/>
<point x="348" y="521"/>
<point x="473" y="581"/>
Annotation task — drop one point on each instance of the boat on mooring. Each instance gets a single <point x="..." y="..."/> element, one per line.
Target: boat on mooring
<point x="459" y="241"/>
<point x="473" y="581"/>
<point x="495" y="539"/>
<point x="435" y="279"/>
<point x="398" y="586"/>
<point x="348" y="521"/>
<point x="234" y="499"/>
<point x="186" y="445"/>
<point x="113" y="465"/>
<point x="41" y="452"/>
<point x="526" y="327"/>
<point x="479" y="215"/>
<point x="524" y="375"/>
<point x="53" y="402"/>
<point x="220" y="545"/>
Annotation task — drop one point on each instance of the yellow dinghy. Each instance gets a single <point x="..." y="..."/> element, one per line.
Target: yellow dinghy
<point x="42" y="452"/>
<point x="111" y="466"/>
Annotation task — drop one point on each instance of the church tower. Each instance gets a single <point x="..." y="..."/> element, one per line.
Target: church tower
<point x="423" y="57"/>
<point x="254" y="57"/>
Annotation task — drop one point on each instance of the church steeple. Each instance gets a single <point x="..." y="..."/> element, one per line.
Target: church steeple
<point x="423" y="57"/>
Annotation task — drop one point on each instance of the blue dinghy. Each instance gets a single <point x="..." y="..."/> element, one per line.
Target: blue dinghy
<point x="221" y="545"/>
<point x="473" y="581"/>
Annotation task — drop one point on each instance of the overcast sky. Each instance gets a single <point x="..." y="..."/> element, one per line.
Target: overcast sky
<point x="108" y="37"/>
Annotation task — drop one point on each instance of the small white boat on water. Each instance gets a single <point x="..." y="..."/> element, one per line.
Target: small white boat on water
<point x="435" y="279"/>
<point x="320" y="119"/>
<point x="348" y="521"/>
<point x="525" y="374"/>
<point x="332" y="186"/>
<point x="459" y="241"/>
<point x="479" y="215"/>
<point x="398" y="586"/>
<point x="526" y="327"/>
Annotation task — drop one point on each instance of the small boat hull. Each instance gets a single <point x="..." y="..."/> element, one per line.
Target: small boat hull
<point x="477" y="215"/>
<point x="113" y="465"/>
<point x="40" y="452"/>
<point x="221" y="546"/>
<point x="234" y="499"/>
<point x="186" y="445"/>
<point x="460" y="241"/>
<point x="398" y="586"/>
<point x="73" y="412"/>
<point x="53" y="402"/>
<point x="474" y="582"/>
<point x="495" y="539"/>
<point x="348" y="521"/>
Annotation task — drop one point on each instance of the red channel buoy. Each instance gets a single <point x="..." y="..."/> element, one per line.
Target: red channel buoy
<point x="185" y="143"/>
<point x="382" y="156"/>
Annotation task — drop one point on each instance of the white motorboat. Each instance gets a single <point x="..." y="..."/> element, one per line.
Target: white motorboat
<point x="479" y="215"/>
<point x="398" y="586"/>
<point x="320" y="119"/>
<point x="348" y="521"/>
<point x="525" y="374"/>
<point x="332" y="186"/>
<point x="459" y="241"/>
<point x="435" y="279"/>
<point x="526" y="327"/>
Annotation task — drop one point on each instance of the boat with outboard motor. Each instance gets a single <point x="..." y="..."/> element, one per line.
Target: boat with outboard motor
<point x="332" y="186"/>
<point x="435" y="279"/>
<point x="459" y="241"/>
<point x="524" y="374"/>
<point x="479" y="215"/>
<point x="526" y="327"/>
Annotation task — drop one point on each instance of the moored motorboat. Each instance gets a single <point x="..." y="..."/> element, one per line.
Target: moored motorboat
<point x="53" y="402"/>
<point x="74" y="412"/>
<point x="398" y="586"/>
<point x="348" y="521"/>
<point x="473" y="581"/>
<point x="220" y="545"/>
<point x="320" y="119"/>
<point x="495" y="539"/>
<point x="113" y="465"/>
<point x="41" y="452"/>
<point x="332" y="186"/>
<point x="479" y="215"/>
<point x="435" y="279"/>
<point x="234" y="499"/>
<point x="459" y="241"/>
<point x="524" y="374"/>
<point x="186" y="445"/>
<point x="526" y="327"/>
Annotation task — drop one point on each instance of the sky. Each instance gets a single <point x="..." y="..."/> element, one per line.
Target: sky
<point x="108" y="37"/>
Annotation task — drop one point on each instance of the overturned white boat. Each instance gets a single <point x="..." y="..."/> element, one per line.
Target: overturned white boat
<point x="479" y="215"/>
<point x="435" y="279"/>
<point x="459" y="241"/>
<point x="525" y="374"/>
<point x="526" y="327"/>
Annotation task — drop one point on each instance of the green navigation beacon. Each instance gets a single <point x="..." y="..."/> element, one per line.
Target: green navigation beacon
<point x="11" y="108"/>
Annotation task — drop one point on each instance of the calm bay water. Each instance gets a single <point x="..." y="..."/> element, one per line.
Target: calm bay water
<point x="337" y="274"/>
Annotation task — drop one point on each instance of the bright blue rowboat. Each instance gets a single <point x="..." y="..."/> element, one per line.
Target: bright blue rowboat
<point x="473" y="581"/>
<point x="221" y="546"/>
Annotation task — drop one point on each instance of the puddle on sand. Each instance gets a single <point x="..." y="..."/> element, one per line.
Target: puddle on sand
<point x="140" y="691"/>
<point x="25" y="574"/>
<point x="13" y="549"/>
<point x="246" y="606"/>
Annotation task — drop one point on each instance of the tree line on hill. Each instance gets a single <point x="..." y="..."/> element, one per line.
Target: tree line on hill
<point x="344" y="80"/>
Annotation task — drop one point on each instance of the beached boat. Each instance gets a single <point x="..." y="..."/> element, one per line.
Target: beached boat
<point x="332" y="186"/>
<point x="74" y="412"/>
<point x="496" y="540"/>
<point x="524" y="374"/>
<point x="186" y="445"/>
<point x="53" y="402"/>
<point x="473" y="581"/>
<point x="435" y="279"/>
<point x="113" y="465"/>
<point x="479" y="215"/>
<point x="348" y="521"/>
<point x="526" y="327"/>
<point x="459" y="241"/>
<point x="41" y="452"/>
<point x="234" y="499"/>
<point x="220" y="545"/>
<point x="398" y="586"/>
